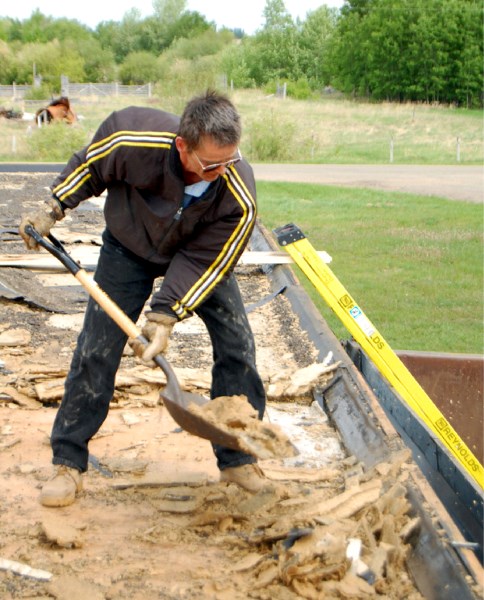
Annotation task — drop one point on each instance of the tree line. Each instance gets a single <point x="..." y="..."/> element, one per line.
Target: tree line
<point x="403" y="50"/>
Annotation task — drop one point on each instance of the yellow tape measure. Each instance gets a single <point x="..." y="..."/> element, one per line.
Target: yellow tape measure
<point x="373" y="343"/>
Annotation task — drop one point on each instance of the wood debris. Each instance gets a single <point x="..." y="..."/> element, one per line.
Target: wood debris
<point x="58" y="532"/>
<point x="15" y="337"/>
<point x="236" y="417"/>
<point x="25" y="570"/>
<point x="45" y="383"/>
<point x="300" y="383"/>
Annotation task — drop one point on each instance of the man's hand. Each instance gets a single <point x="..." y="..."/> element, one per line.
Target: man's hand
<point x="42" y="221"/>
<point x="157" y="330"/>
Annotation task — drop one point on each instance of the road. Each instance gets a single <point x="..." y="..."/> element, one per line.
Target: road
<point x="465" y="183"/>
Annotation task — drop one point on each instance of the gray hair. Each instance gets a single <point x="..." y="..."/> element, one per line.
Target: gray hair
<point x="210" y="114"/>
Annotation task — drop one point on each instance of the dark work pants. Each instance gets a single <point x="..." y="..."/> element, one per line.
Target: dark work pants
<point x="89" y="386"/>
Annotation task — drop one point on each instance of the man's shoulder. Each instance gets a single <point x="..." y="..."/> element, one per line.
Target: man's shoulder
<point x="144" y="118"/>
<point x="244" y="168"/>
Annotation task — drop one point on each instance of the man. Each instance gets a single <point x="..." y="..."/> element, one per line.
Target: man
<point x="180" y="204"/>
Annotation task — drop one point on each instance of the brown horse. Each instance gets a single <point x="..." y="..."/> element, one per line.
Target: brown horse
<point x="58" y="110"/>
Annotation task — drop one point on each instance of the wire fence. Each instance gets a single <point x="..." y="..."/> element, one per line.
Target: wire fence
<point x="16" y="92"/>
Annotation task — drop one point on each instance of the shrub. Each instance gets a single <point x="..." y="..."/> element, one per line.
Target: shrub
<point x="270" y="138"/>
<point x="56" y="142"/>
<point x="41" y="92"/>
<point x="300" y="89"/>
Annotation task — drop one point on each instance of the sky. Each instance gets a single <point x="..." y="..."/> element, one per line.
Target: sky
<point x="243" y="15"/>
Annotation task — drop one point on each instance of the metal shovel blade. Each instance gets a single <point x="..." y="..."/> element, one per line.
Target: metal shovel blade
<point x="177" y="403"/>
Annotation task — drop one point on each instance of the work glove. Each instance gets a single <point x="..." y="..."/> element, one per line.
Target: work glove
<point x="42" y="221"/>
<point x="157" y="331"/>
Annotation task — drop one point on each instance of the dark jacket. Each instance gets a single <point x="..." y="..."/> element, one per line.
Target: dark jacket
<point x="133" y="155"/>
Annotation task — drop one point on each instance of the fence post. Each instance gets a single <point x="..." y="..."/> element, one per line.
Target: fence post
<point x="391" y="149"/>
<point x="458" y="149"/>
<point x="64" y="85"/>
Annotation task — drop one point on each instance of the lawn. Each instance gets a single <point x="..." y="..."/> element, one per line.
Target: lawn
<point x="323" y="131"/>
<point x="414" y="264"/>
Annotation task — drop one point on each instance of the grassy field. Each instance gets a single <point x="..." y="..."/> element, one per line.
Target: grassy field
<point x="413" y="264"/>
<point x="325" y="131"/>
<point x="340" y="131"/>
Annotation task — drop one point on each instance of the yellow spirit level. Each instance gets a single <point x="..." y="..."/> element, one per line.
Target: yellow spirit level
<point x="368" y="337"/>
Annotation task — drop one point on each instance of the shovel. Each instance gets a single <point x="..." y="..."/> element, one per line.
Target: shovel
<point x="175" y="399"/>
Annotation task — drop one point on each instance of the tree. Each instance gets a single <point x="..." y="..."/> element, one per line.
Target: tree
<point x="169" y="11"/>
<point x="107" y="34"/>
<point x="39" y="28"/>
<point x="352" y="70"/>
<point x="7" y="63"/>
<point x="35" y="29"/>
<point x="123" y="38"/>
<point x="189" y="25"/>
<point x="6" y="25"/>
<point x="234" y="65"/>
<point x="238" y="33"/>
<point x="356" y="7"/>
<point x="159" y="26"/>
<point x="276" y="16"/>
<point x="68" y="30"/>
<point x="272" y="54"/>
<point x="420" y="50"/>
<point x="315" y="40"/>
<point x="99" y="63"/>
<point x="171" y="22"/>
<point x="138" y="68"/>
<point x="468" y="55"/>
<point x="51" y="60"/>
<point x="207" y="43"/>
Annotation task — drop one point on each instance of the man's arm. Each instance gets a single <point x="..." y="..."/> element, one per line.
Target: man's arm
<point x="209" y="257"/>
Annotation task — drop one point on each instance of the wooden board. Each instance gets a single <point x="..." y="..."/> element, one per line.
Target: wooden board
<point x="88" y="256"/>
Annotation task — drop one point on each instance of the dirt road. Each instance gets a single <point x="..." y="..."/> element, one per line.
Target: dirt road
<point x="465" y="183"/>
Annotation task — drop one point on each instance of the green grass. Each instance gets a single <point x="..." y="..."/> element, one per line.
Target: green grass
<point x="414" y="264"/>
<point x="324" y="131"/>
<point x="341" y="131"/>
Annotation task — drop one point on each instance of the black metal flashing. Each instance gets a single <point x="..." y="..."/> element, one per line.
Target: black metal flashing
<point x="439" y="571"/>
<point x="457" y="491"/>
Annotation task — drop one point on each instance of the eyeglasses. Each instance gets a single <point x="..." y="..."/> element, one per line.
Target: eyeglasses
<point x="213" y="166"/>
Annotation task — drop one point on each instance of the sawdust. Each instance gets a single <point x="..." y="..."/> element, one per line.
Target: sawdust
<point x="174" y="531"/>
<point x="236" y="417"/>
<point x="153" y="520"/>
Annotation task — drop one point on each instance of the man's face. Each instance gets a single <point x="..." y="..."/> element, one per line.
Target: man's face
<point x="208" y="161"/>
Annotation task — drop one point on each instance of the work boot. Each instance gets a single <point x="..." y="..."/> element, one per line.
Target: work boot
<point x="250" y="477"/>
<point x="61" y="490"/>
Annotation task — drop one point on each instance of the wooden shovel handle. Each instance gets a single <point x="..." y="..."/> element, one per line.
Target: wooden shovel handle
<point x="111" y="308"/>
